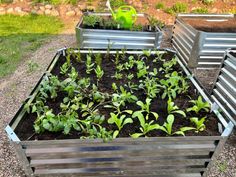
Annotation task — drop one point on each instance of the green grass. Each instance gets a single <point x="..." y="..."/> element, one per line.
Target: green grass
<point x="200" y="10"/>
<point x="178" y="7"/>
<point x="21" y="35"/>
<point x="56" y="2"/>
<point x="160" y="5"/>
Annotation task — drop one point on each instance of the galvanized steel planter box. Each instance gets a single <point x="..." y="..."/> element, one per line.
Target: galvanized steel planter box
<point x="100" y="38"/>
<point x="199" y="49"/>
<point x="157" y="156"/>
<point x="224" y="92"/>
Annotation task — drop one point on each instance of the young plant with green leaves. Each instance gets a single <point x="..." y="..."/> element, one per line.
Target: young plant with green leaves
<point x="150" y="86"/>
<point x="167" y="66"/>
<point x="64" y="69"/>
<point x="98" y="59"/>
<point x="199" y="105"/>
<point x="120" y="121"/>
<point x="146" y="127"/>
<point x="145" y="108"/>
<point x="99" y="73"/>
<point x="199" y="123"/>
<point x="174" y="109"/>
<point x="89" y="64"/>
<point x="167" y="127"/>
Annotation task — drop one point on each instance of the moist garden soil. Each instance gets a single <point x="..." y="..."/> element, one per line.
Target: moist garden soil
<point x="25" y="129"/>
<point x="227" y="26"/>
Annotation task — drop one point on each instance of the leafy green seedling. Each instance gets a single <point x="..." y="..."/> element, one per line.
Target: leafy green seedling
<point x="98" y="59"/>
<point x="64" y="68"/>
<point x="118" y="76"/>
<point x="73" y="74"/>
<point x="145" y="127"/>
<point x="199" y="104"/>
<point x="167" y="127"/>
<point x="199" y="124"/>
<point x="145" y="108"/>
<point x="120" y="122"/>
<point x="99" y="72"/>
<point x="89" y="64"/>
<point x="150" y="86"/>
<point x="172" y="108"/>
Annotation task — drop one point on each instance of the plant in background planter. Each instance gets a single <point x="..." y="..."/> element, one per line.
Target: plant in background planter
<point x="102" y="116"/>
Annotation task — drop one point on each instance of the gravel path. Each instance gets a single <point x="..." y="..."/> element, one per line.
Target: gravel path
<point x="15" y="88"/>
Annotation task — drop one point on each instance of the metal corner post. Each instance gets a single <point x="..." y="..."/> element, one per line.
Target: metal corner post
<point x="194" y="55"/>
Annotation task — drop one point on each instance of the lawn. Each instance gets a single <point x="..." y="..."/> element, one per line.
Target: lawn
<point x="21" y="35"/>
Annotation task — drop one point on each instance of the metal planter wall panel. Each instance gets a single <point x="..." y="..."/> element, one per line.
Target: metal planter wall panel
<point x="117" y="39"/>
<point x="157" y="156"/>
<point x="224" y="92"/>
<point x="201" y="49"/>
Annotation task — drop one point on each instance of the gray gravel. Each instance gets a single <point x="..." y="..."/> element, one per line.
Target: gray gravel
<point x="15" y="88"/>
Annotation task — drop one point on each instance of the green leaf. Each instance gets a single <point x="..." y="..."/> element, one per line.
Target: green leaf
<point x="180" y="112"/>
<point x="115" y="134"/>
<point x="127" y="121"/>
<point x="184" y="129"/>
<point x="155" y="115"/>
<point x="46" y="124"/>
<point x="34" y="109"/>
<point x="128" y="111"/>
<point x="179" y="133"/>
<point x="170" y="120"/>
<point x="136" y="135"/>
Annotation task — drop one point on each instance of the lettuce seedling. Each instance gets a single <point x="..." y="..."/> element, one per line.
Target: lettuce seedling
<point x="120" y="122"/>
<point x="199" y="123"/>
<point x="199" y="104"/>
<point x="64" y="68"/>
<point x="89" y="64"/>
<point x="145" y="108"/>
<point x="145" y="127"/>
<point x="99" y="73"/>
<point x="172" y="108"/>
<point x="167" y="127"/>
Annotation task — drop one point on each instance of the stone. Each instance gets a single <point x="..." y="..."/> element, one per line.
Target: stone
<point x="42" y="8"/>
<point x="214" y="10"/>
<point x="10" y="10"/>
<point x="2" y="9"/>
<point x="18" y="9"/>
<point x="48" y="6"/>
<point x="26" y="9"/>
<point x="40" y="12"/>
<point x="47" y="12"/>
<point x="82" y="6"/>
<point x="36" y="7"/>
<point x="70" y="13"/>
<point x="54" y="13"/>
<point x="2" y="12"/>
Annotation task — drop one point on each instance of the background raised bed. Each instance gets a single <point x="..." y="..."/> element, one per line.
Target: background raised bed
<point x="203" y="46"/>
<point x="100" y="38"/>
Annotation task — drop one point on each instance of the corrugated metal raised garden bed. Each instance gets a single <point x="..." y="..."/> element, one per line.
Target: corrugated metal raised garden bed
<point x="224" y="92"/>
<point x="86" y="99"/>
<point x="102" y="35"/>
<point x="201" y="39"/>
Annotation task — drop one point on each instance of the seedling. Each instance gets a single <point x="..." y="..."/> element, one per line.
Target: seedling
<point x="150" y="86"/>
<point x="199" y="123"/>
<point x="167" y="127"/>
<point x="120" y="122"/>
<point x="172" y="108"/>
<point x="64" y="68"/>
<point x="99" y="73"/>
<point x="145" y="108"/>
<point x="89" y="64"/>
<point x="199" y="105"/>
<point x="118" y="76"/>
<point x="145" y="127"/>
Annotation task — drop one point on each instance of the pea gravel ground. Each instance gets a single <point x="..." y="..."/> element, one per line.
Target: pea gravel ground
<point x="15" y="88"/>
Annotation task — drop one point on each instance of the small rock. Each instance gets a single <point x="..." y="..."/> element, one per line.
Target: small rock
<point x="26" y="9"/>
<point x="48" y="6"/>
<point x="33" y="11"/>
<point x="2" y="12"/>
<point x="18" y="9"/>
<point x="10" y="10"/>
<point x="36" y="7"/>
<point x="55" y="13"/>
<point x="2" y="9"/>
<point x="214" y="10"/>
<point x="82" y="6"/>
<point x="70" y="13"/>
<point x="42" y="8"/>
<point x="47" y="12"/>
<point x="40" y="12"/>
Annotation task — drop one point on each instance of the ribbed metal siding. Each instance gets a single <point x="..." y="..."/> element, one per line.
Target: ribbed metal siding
<point x="224" y="92"/>
<point x="206" y="49"/>
<point x="185" y="156"/>
<point x="118" y="39"/>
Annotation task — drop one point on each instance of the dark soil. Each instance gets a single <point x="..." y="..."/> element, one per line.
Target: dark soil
<point x="227" y="26"/>
<point x="25" y="128"/>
